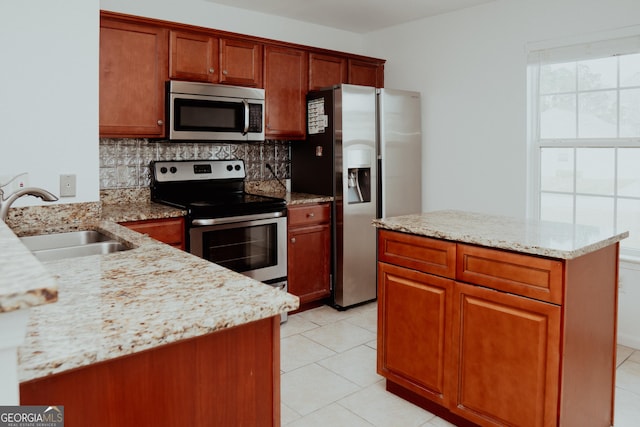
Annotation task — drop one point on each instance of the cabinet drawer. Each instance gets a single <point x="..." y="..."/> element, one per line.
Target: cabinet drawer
<point x="309" y="214"/>
<point x="525" y="275"/>
<point x="418" y="253"/>
<point x="169" y="231"/>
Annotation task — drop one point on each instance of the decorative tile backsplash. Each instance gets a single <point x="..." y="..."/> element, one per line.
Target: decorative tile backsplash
<point x="124" y="163"/>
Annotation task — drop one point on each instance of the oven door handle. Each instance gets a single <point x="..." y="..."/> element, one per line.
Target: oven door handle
<point x="241" y="218"/>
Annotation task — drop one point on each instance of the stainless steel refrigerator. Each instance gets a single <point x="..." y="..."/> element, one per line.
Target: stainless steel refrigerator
<point x="363" y="147"/>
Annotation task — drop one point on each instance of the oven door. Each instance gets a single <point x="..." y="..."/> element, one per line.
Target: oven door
<point x="255" y="248"/>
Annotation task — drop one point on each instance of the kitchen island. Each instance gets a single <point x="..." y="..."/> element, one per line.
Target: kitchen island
<point x="154" y="336"/>
<point x="488" y="320"/>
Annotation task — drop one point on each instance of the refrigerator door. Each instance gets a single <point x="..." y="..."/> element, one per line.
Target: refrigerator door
<point x="355" y="126"/>
<point x="400" y="149"/>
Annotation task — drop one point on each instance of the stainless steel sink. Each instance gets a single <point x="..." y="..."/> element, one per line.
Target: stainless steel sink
<point x="48" y="247"/>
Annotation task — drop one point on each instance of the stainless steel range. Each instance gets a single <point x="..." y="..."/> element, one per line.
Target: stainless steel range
<point x="244" y="232"/>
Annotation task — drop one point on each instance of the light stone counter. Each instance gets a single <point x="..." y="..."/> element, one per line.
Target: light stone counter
<point x="555" y="240"/>
<point x="125" y="302"/>
<point x="24" y="282"/>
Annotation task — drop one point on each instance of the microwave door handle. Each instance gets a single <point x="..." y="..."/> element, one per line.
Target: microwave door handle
<point x="246" y="116"/>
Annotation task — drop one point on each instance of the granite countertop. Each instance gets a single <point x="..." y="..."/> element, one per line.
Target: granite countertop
<point x="125" y="302"/>
<point x="550" y="239"/>
<point x="24" y="281"/>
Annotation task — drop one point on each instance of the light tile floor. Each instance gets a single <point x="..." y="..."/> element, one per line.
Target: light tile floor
<point x="328" y="364"/>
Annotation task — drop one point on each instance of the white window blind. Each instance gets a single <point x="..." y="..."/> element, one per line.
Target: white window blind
<point x="584" y="135"/>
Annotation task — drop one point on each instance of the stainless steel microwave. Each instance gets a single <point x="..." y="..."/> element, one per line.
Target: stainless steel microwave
<point x="212" y="112"/>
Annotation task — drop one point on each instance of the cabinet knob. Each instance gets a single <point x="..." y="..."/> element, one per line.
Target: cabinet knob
<point x="225" y="72"/>
<point x="310" y="215"/>
<point x="293" y="240"/>
<point x="212" y="70"/>
<point x="160" y="122"/>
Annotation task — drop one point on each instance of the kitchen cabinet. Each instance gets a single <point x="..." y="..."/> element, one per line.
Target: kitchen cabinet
<point x="166" y="230"/>
<point x="366" y="73"/>
<point x="326" y="70"/>
<point x="193" y="57"/>
<point x="309" y="251"/>
<point x="494" y="337"/>
<point x="225" y="378"/>
<point x="286" y="76"/>
<point x="138" y="55"/>
<point x="241" y="62"/>
<point x="133" y="70"/>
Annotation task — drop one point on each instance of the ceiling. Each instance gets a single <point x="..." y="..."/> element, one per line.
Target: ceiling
<point x="358" y="16"/>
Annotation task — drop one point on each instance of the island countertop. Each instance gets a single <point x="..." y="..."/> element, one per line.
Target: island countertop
<point x="126" y="302"/>
<point x="550" y="239"/>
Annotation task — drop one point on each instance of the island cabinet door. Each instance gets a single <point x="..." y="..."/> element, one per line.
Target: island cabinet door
<point x="414" y="330"/>
<point x="505" y="358"/>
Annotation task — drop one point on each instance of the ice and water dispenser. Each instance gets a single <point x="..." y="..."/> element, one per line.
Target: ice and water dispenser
<point x="359" y="164"/>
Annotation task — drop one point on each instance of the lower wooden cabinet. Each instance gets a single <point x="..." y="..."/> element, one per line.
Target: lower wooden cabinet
<point x="226" y="378"/>
<point x="166" y="230"/>
<point x="505" y="358"/>
<point x="477" y="353"/>
<point x="309" y="251"/>
<point x="413" y="326"/>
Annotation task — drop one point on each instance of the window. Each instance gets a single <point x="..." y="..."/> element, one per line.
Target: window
<point x="585" y="136"/>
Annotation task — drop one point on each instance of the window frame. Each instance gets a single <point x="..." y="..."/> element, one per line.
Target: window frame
<point x="536" y="144"/>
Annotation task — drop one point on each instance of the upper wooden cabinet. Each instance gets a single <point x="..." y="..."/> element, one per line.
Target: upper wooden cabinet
<point x="366" y="73"/>
<point x="326" y="71"/>
<point x="240" y="62"/>
<point x="138" y="55"/>
<point x="194" y="57"/>
<point x="285" y="92"/>
<point x="133" y="69"/>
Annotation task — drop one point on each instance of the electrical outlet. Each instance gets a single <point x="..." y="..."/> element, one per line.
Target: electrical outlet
<point x="67" y="185"/>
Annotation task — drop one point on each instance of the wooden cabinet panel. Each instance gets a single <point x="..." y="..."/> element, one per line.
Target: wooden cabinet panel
<point x="285" y="91"/>
<point x="366" y="73"/>
<point x="133" y="71"/>
<point x="193" y="57"/>
<point x="226" y="378"/>
<point x="326" y="71"/>
<point x="419" y="253"/>
<point x="240" y="62"/>
<point x="309" y="252"/>
<point x="414" y="329"/>
<point x="169" y="230"/>
<point x="526" y="275"/>
<point x="309" y="214"/>
<point x="507" y="358"/>
<point x="514" y="359"/>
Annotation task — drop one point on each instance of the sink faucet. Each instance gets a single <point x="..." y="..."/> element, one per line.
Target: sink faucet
<point x="5" y="204"/>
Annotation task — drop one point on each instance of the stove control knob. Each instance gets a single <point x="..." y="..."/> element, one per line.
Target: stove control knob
<point x="163" y="170"/>
<point x="173" y="169"/>
<point x="237" y="167"/>
<point x="229" y="168"/>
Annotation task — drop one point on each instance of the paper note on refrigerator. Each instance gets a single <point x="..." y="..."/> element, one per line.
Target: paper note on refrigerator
<point x="316" y="118"/>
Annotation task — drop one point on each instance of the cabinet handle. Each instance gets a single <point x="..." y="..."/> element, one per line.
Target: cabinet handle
<point x="212" y="70"/>
<point x="310" y="215"/>
<point x="160" y="122"/>
<point x="293" y="240"/>
<point x="225" y="72"/>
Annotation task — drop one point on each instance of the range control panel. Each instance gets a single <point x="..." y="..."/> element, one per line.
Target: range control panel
<point x="194" y="170"/>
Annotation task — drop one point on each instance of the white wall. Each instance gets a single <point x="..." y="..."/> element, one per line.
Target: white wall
<point x="49" y="94"/>
<point x="470" y="66"/>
